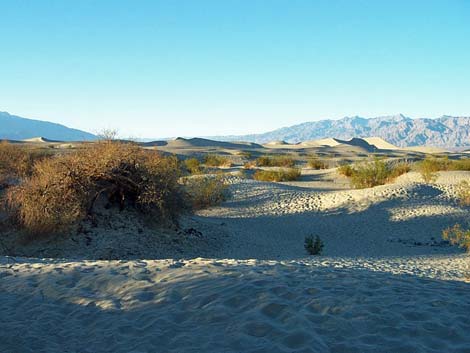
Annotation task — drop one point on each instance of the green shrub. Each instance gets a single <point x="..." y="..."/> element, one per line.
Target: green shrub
<point x="213" y="160"/>
<point x="373" y="173"/>
<point x="63" y="190"/>
<point x="289" y="174"/>
<point x="429" y="167"/>
<point x="314" y="246"/>
<point x="316" y="163"/>
<point x="206" y="191"/>
<point x="193" y="166"/>
<point x="275" y="161"/>
<point x="456" y="235"/>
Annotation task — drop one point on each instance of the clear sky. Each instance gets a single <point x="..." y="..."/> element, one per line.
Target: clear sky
<point x="169" y="68"/>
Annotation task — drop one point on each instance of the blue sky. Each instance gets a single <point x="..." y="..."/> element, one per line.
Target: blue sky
<point x="169" y="68"/>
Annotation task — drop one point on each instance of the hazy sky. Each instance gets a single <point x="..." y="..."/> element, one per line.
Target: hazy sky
<point x="168" y="68"/>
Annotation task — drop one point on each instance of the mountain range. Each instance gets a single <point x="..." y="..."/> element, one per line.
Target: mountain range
<point x="13" y="127"/>
<point x="402" y="131"/>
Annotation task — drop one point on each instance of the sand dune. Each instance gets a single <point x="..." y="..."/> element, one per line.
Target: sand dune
<point x="200" y="142"/>
<point x="386" y="282"/>
<point x="40" y="140"/>
<point x="380" y="143"/>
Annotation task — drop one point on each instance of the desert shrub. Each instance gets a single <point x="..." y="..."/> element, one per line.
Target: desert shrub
<point x="399" y="169"/>
<point x="316" y="163"/>
<point x="16" y="162"/>
<point x="345" y="170"/>
<point x="461" y="164"/>
<point x="206" y="191"/>
<point x="64" y="190"/>
<point x="373" y="173"/>
<point x="193" y="166"/>
<point x="275" y="161"/>
<point x="289" y="174"/>
<point x="429" y="167"/>
<point x="249" y="165"/>
<point x="463" y="193"/>
<point x="456" y="235"/>
<point x="213" y="160"/>
<point x="314" y="246"/>
<point x="245" y="154"/>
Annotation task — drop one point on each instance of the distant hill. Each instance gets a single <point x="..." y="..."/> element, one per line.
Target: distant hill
<point x="398" y="130"/>
<point x="17" y="128"/>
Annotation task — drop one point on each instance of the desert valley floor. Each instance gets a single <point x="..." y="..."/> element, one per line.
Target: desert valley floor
<point x="238" y="278"/>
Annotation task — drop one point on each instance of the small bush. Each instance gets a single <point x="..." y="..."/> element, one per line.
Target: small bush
<point x="314" y="246"/>
<point x="346" y="170"/>
<point x="193" y="166"/>
<point x="213" y="160"/>
<point x="276" y="161"/>
<point x="429" y="167"/>
<point x="289" y="174"/>
<point x="64" y="190"/>
<point x="249" y="165"/>
<point x="373" y="173"/>
<point x="206" y="191"/>
<point x="16" y="162"/>
<point x="316" y="163"/>
<point x="456" y="235"/>
<point x="464" y="193"/>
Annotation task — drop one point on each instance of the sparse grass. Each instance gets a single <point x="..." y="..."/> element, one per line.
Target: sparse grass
<point x="313" y="245"/>
<point x="275" y="161"/>
<point x="249" y="165"/>
<point x="456" y="235"/>
<point x="289" y="174"/>
<point x="373" y="173"/>
<point x="206" y="191"/>
<point x="214" y="160"/>
<point x="64" y="190"/>
<point x="316" y="163"/>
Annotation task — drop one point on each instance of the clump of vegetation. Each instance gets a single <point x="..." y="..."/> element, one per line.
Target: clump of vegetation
<point x="249" y="165"/>
<point x="373" y="173"/>
<point x="429" y="168"/>
<point x="289" y="174"/>
<point x="456" y="235"/>
<point x="214" y="160"/>
<point x="464" y="193"/>
<point x="64" y="190"/>
<point x="206" y="191"/>
<point x="275" y="161"/>
<point x="313" y="245"/>
<point x="346" y="170"/>
<point x="431" y="165"/>
<point x="193" y="166"/>
<point x="16" y="162"/>
<point x="316" y="163"/>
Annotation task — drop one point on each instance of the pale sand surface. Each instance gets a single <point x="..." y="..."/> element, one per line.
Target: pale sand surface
<point x="385" y="283"/>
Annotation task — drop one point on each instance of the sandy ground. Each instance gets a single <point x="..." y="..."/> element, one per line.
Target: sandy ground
<point x="386" y="282"/>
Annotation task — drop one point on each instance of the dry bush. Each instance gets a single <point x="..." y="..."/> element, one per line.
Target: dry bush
<point x="250" y="165"/>
<point x="456" y="235"/>
<point x="193" y="166"/>
<point x="316" y="163"/>
<point x="214" y="160"/>
<point x="64" y="190"/>
<point x="429" y="167"/>
<point x="276" y="161"/>
<point x="314" y="246"/>
<point x="16" y="161"/>
<point x="206" y="191"/>
<point x="289" y="174"/>
<point x="399" y="169"/>
<point x="345" y="170"/>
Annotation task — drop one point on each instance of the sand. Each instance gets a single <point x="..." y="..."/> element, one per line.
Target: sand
<point x="386" y="282"/>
